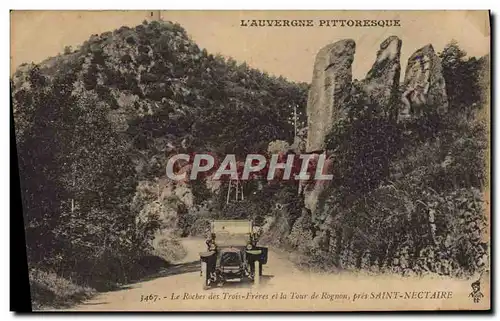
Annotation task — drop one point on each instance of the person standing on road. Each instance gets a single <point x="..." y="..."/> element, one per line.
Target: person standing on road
<point x="211" y="242"/>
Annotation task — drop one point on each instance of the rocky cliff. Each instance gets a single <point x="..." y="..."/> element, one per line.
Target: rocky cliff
<point x="332" y="89"/>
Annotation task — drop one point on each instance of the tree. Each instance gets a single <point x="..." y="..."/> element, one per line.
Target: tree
<point x="461" y="75"/>
<point x="77" y="182"/>
<point x="68" y="50"/>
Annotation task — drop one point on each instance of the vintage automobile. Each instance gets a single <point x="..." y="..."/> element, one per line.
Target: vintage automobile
<point x="232" y="254"/>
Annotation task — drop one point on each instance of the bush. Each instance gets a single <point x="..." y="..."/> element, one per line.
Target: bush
<point x="48" y="290"/>
<point x="170" y="249"/>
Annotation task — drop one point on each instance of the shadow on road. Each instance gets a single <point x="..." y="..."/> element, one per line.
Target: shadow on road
<point x="147" y="269"/>
<point x="173" y="269"/>
<point x="264" y="280"/>
<point x="94" y="303"/>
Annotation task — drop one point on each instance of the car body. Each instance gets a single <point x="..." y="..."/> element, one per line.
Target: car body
<point x="232" y="263"/>
<point x="232" y="253"/>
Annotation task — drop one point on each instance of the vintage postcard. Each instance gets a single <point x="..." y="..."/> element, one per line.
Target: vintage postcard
<point x="254" y="160"/>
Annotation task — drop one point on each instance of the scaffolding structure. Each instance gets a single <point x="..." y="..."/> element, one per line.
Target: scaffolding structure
<point x="238" y="190"/>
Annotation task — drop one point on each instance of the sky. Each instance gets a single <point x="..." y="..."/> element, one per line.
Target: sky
<point x="285" y="51"/>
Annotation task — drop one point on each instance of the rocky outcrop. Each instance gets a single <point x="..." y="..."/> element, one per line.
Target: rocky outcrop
<point x="330" y="91"/>
<point x="330" y="88"/>
<point x="424" y="85"/>
<point x="313" y="189"/>
<point x="181" y="192"/>
<point x="278" y="146"/>
<point x="381" y="84"/>
<point x="302" y="232"/>
<point x="300" y="141"/>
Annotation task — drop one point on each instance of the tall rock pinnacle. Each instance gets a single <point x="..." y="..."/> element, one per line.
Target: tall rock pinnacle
<point x="381" y="84"/>
<point x="330" y="88"/>
<point x="424" y="84"/>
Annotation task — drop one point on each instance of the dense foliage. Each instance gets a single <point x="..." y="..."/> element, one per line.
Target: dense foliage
<point x="464" y="78"/>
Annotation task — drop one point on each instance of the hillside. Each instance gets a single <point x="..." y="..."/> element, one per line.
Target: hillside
<point x="94" y="127"/>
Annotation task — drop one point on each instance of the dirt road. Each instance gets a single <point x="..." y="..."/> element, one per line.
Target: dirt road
<point x="283" y="287"/>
